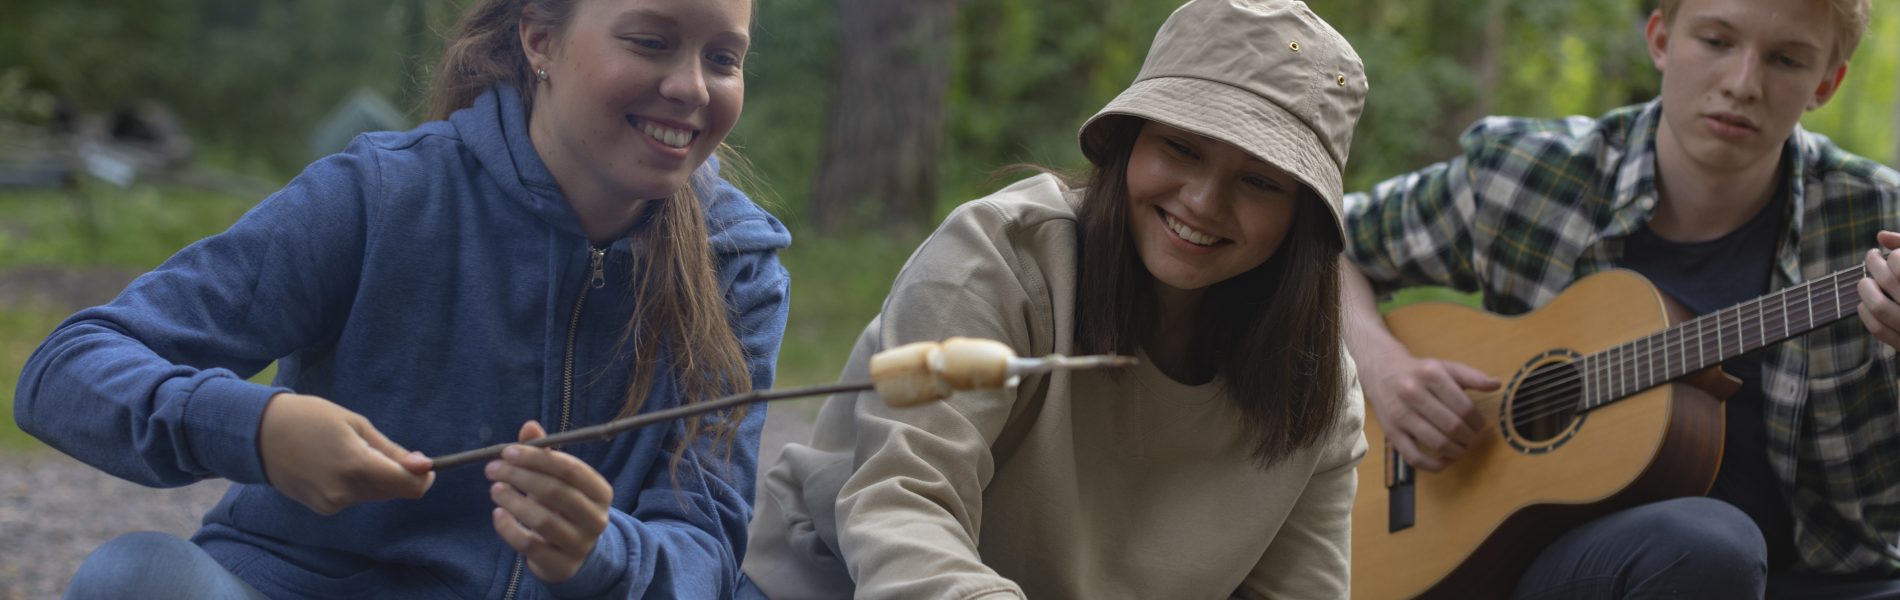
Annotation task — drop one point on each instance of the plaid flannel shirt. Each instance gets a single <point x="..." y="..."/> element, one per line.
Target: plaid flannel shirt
<point x="1533" y="205"/>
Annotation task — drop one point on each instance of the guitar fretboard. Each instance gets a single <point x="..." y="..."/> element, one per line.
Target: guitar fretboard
<point x="1708" y="340"/>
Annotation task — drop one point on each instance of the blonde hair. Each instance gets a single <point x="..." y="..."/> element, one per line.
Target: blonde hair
<point x="680" y="312"/>
<point x="1850" y="23"/>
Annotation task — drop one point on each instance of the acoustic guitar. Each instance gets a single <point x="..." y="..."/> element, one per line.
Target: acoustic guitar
<point x="1611" y="398"/>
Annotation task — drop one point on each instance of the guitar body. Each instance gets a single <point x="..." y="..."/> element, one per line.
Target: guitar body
<point x="1476" y="525"/>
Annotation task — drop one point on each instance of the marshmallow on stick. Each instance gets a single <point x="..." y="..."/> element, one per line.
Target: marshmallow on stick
<point x="920" y="372"/>
<point x="907" y="375"/>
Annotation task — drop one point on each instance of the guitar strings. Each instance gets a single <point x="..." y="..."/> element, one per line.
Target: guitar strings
<point x="1550" y="396"/>
<point x="1629" y="358"/>
<point x="1547" y="400"/>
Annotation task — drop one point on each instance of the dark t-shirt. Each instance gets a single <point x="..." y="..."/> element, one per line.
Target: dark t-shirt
<point x="1706" y="277"/>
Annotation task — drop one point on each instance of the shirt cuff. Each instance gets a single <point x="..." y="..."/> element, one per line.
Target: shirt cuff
<point x="602" y="571"/>
<point x="222" y="416"/>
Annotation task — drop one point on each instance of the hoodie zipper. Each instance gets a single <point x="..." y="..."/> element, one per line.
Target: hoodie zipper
<point x="599" y="280"/>
<point x="597" y="258"/>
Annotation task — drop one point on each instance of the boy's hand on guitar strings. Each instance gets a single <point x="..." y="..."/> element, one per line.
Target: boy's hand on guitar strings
<point x="1879" y="313"/>
<point x="1423" y="406"/>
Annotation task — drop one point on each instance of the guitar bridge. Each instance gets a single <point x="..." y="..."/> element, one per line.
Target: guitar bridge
<point x="1399" y="491"/>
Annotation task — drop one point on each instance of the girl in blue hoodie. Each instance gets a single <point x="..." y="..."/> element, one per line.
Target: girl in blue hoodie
<point x="556" y="250"/>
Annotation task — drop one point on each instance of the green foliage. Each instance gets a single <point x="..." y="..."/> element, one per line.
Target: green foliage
<point x="1556" y="58"/>
<point x="788" y="74"/>
<point x="1425" y="63"/>
<point x="99" y="225"/>
<point x="252" y="75"/>
<point x="838" y="285"/>
<point x="1026" y="74"/>
<point x="21" y="103"/>
<point x="1429" y="294"/>
<point x="1865" y="116"/>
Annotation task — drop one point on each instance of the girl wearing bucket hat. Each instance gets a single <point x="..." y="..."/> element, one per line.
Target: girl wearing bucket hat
<point x="1203" y="241"/>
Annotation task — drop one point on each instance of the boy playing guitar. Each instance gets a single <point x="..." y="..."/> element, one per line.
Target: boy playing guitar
<point x="1716" y="195"/>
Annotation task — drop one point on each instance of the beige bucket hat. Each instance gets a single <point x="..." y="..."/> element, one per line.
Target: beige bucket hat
<point x="1267" y="76"/>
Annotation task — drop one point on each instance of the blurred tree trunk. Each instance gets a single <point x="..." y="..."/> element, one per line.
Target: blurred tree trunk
<point x="884" y="124"/>
<point x="1487" y="62"/>
<point x="1483" y="60"/>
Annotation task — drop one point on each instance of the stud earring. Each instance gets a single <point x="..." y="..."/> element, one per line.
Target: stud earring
<point x="541" y="74"/>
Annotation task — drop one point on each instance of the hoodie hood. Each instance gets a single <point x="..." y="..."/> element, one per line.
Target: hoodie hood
<point x="495" y="131"/>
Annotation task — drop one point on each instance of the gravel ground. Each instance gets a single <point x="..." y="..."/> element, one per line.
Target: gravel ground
<point x="54" y="510"/>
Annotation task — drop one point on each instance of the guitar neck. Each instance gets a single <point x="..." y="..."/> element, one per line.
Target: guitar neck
<point x="1708" y="340"/>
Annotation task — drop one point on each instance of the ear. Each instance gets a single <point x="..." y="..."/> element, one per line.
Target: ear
<point x="1657" y="34"/>
<point x="1829" y="85"/>
<point x="537" y="41"/>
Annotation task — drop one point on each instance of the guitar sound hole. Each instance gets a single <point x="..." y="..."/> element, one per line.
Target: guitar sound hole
<point x="1545" y="404"/>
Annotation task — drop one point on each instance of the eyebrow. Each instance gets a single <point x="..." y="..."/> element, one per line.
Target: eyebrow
<point x="1801" y="44"/>
<point x="743" y="37"/>
<point x="645" y="14"/>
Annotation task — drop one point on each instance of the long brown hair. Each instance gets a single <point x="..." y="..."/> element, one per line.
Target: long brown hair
<point x="680" y="312"/>
<point x="1273" y="333"/>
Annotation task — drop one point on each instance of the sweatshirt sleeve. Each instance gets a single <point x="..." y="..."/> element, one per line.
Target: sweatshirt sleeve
<point x="686" y="541"/>
<point x="910" y="515"/>
<point x="151" y="387"/>
<point x="1311" y="555"/>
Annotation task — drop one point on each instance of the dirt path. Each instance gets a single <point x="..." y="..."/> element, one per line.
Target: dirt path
<point x="55" y="510"/>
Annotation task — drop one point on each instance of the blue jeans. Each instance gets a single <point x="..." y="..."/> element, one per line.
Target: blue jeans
<point x="148" y="564"/>
<point x="1682" y="548"/>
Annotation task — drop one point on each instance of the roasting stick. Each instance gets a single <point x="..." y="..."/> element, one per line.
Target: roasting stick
<point x="907" y="375"/>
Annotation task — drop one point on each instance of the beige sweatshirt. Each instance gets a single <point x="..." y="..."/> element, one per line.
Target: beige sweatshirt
<point x="1073" y="485"/>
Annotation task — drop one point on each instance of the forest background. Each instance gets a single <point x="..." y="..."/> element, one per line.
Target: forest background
<point x="936" y="96"/>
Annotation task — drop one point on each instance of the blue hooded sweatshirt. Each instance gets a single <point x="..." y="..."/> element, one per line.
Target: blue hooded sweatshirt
<point x="436" y="282"/>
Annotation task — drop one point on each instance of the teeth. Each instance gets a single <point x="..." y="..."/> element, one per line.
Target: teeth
<point x="677" y="138"/>
<point x="1189" y="234"/>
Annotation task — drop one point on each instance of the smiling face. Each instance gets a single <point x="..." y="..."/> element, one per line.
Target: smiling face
<point x="1202" y="211"/>
<point x="638" y="93"/>
<point x="1738" y="74"/>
